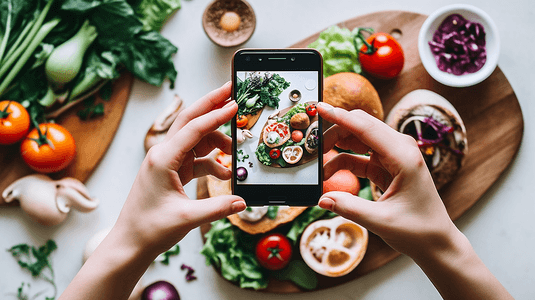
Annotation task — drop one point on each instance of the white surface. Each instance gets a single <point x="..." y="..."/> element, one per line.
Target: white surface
<point x="500" y="225"/>
<point x="492" y="39"/>
<point x="262" y="174"/>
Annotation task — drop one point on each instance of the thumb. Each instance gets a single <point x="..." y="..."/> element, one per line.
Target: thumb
<point x="359" y="210"/>
<point x="215" y="208"/>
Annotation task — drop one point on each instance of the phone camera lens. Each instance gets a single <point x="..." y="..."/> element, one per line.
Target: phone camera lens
<point x="292" y="59"/>
<point x="259" y="59"/>
<point x="247" y="58"/>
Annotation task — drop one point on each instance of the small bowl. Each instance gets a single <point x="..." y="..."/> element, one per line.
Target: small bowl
<point x="212" y="16"/>
<point x="470" y="13"/>
<point x="297" y="94"/>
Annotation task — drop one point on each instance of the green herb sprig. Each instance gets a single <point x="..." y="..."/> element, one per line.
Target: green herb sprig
<point x="35" y="260"/>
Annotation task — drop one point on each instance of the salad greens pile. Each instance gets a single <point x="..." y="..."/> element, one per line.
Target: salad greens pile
<point x="256" y="91"/>
<point x="125" y="38"/>
<point x="232" y="251"/>
<point x="339" y="48"/>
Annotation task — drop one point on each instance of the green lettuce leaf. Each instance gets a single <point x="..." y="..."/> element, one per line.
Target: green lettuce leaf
<point x="303" y="220"/>
<point x="232" y="252"/>
<point x="337" y="46"/>
<point x="154" y="13"/>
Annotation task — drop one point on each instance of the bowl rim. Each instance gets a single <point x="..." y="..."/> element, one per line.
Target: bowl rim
<point x="427" y="57"/>
<point x="211" y="35"/>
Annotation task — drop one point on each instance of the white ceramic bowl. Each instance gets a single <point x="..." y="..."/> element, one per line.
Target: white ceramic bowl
<point x="470" y="13"/>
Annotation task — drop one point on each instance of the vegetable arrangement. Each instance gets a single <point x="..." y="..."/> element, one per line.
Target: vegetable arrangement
<point x="257" y="91"/>
<point x="54" y="52"/>
<point x="240" y="256"/>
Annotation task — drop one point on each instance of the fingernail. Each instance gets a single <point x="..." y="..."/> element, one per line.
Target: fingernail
<point x="238" y="206"/>
<point x="227" y="83"/>
<point x="326" y="203"/>
<point x="324" y="105"/>
<point x="229" y="104"/>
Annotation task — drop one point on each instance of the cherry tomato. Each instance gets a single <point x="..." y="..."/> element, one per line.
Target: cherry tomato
<point x="385" y="60"/>
<point x="241" y="121"/>
<point x="274" y="153"/>
<point x="274" y="251"/>
<point x="311" y="110"/>
<point x="297" y="136"/>
<point x="48" y="150"/>
<point x="14" y="122"/>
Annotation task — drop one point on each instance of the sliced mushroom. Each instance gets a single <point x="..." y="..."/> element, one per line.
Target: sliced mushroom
<point x="242" y="135"/>
<point x="48" y="201"/>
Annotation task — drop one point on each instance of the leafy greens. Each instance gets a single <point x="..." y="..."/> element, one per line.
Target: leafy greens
<point x="264" y="89"/>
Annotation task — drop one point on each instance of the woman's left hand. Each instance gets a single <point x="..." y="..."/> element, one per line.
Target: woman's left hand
<point x="157" y="211"/>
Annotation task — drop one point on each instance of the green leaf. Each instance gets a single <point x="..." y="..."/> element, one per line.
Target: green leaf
<point x="272" y="212"/>
<point x="303" y="220"/>
<point x="366" y="193"/>
<point x="154" y="13"/>
<point x="175" y="250"/>
<point x="298" y="272"/>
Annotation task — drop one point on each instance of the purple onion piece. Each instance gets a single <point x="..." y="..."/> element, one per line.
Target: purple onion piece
<point x="160" y="290"/>
<point x="458" y="45"/>
<point x="241" y="173"/>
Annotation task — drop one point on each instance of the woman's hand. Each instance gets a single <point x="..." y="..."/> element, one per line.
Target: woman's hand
<point x="157" y="211"/>
<point x="410" y="215"/>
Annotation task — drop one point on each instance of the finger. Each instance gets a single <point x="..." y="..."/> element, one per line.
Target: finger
<point x="208" y="166"/>
<point x="344" y="139"/>
<point x="364" y="212"/>
<point x="384" y="140"/>
<point x="214" y="139"/>
<point x="190" y="135"/>
<point x="213" y="209"/>
<point x="361" y="166"/>
<point x="202" y="106"/>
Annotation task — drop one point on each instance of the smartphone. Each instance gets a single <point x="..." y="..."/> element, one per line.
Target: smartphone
<point x="277" y="132"/>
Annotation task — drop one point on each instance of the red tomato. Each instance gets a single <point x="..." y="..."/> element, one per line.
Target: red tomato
<point x="274" y="251"/>
<point x="50" y="150"/>
<point x="311" y="110"/>
<point x="274" y="153"/>
<point x="386" y="58"/>
<point x="241" y="121"/>
<point x="14" y="122"/>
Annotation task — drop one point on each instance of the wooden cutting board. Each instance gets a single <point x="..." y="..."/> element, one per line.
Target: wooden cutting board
<point x="490" y="111"/>
<point x="92" y="138"/>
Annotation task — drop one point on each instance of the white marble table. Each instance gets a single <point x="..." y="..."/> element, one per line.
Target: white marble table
<point x="500" y="225"/>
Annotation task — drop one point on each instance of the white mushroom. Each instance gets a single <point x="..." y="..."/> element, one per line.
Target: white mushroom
<point x="242" y="135"/>
<point x="163" y="122"/>
<point x="48" y="201"/>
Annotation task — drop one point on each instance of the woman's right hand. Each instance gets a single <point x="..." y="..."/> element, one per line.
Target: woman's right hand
<point x="410" y="215"/>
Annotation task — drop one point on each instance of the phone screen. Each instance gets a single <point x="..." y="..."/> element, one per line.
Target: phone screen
<point x="277" y="128"/>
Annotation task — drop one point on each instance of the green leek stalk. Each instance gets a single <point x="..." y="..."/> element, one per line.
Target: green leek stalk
<point x="90" y="80"/>
<point x="41" y="34"/>
<point x="18" y="41"/>
<point x="8" y="30"/>
<point x="16" y="56"/>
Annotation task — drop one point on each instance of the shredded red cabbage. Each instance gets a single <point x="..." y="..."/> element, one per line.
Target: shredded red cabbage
<point x="439" y="133"/>
<point x="189" y="275"/>
<point x="458" y="45"/>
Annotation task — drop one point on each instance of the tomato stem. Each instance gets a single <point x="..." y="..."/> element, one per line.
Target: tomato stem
<point x="42" y="139"/>
<point x="370" y="49"/>
<point x="4" y="113"/>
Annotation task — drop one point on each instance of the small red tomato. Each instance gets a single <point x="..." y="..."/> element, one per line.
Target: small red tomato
<point x="385" y="60"/>
<point x="274" y="153"/>
<point x="14" y="122"/>
<point x="241" y="121"/>
<point x="274" y="251"/>
<point x="311" y="110"/>
<point x="48" y="150"/>
<point x="297" y="136"/>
